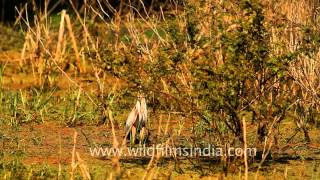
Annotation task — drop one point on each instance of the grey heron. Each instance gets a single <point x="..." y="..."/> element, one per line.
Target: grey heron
<point x="137" y="119"/>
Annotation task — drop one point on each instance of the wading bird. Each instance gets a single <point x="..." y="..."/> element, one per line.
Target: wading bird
<point x="137" y="120"/>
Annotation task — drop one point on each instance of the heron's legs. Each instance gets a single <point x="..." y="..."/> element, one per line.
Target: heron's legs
<point x="141" y="135"/>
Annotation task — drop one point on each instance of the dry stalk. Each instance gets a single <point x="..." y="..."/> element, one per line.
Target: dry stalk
<point x="151" y="25"/>
<point x="74" y="43"/>
<point x="73" y="160"/>
<point x="83" y="168"/>
<point x="87" y="35"/>
<point x="78" y="162"/>
<point x="60" y="37"/>
<point x="167" y="125"/>
<point x="152" y="165"/>
<point x="77" y="104"/>
<point x="245" y="158"/>
<point x="286" y="173"/>
<point x="60" y="153"/>
<point x="47" y="52"/>
<point x="266" y="150"/>
<point x="33" y="42"/>
<point x="159" y="126"/>
<point x="115" y="144"/>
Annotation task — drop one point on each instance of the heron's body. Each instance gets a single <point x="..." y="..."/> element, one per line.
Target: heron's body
<point x="137" y="119"/>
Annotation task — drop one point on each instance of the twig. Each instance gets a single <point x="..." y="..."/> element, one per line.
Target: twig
<point x="245" y="158"/>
